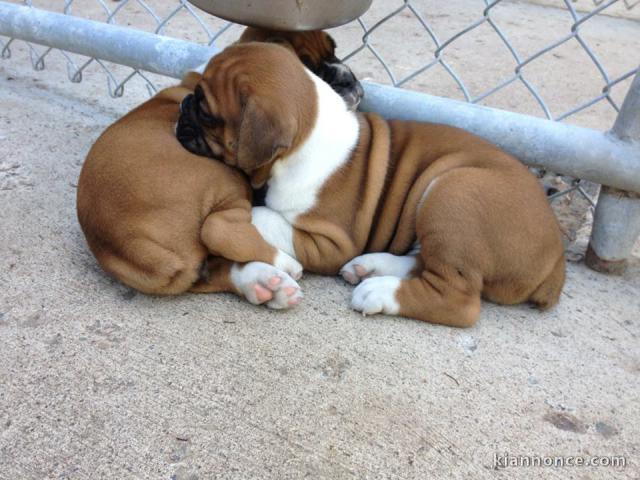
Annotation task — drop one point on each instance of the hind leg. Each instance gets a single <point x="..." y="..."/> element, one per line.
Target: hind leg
<point x="447" y="287"/>
<point x="379" y="265"/>
<point x="433" y="296"/>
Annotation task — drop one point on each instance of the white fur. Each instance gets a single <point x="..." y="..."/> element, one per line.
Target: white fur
<point x="377" y="265"/>
<point x="274" y="228"/>
<point x="245" y="277"/>
<point x="377" y="295"/>
<point x="297" y="179"/>
<point x="288" y="264"/>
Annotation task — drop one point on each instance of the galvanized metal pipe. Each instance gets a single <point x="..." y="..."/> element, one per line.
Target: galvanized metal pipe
<point x="616" y="225"/>
<point x="567" y="149"/>
<point x="126" y="46"/>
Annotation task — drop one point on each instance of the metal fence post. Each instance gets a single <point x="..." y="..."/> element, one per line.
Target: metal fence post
<point x="616" y="225"/>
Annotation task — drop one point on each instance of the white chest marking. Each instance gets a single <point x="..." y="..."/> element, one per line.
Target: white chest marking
<point x="297" y="179"/>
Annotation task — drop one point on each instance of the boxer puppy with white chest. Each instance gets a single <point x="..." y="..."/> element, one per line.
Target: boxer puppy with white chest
<point x="443" y="217"/>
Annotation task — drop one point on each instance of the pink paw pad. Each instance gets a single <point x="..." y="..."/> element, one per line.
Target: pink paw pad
<point x="290" y="291"/>
<point x="262" y="294"/>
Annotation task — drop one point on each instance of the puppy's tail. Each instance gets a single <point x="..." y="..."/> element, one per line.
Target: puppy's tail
<point x="548" y="293"/>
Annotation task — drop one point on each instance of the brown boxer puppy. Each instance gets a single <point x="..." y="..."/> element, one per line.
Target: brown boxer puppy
<point x="317" y="50"/>
<point x="459" y="218"/>
<point x="156" y="216"/>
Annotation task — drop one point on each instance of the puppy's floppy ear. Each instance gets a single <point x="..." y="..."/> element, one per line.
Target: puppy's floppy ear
<point x="262" y="137"/>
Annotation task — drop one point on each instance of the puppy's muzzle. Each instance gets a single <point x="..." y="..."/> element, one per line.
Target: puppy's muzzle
<point x="343" y="81"/>
<point x="189" y="133"/>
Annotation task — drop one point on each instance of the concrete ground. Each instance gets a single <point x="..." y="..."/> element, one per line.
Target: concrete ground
<point x="97" y="381"/>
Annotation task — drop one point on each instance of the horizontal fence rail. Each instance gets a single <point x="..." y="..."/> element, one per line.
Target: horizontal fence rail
<point x="580" y="152"/>
<point x="126" y="46"/>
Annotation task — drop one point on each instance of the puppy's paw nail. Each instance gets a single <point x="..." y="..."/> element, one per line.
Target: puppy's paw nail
<point x="275" y="281"/>
<point x="348" y="276"/>
<point x="262" y="294"/>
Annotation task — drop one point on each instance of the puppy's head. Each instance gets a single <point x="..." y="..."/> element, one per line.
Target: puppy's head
<point x="254" y="104"/>
<point x="316" y="49"/>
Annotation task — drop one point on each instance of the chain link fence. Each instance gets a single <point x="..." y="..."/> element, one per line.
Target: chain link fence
<point x="433" y="47"/>
<point x="499" y="53"/>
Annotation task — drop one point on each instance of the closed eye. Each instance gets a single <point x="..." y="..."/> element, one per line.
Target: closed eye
<point x="203" y="110"/>
<point x="209" y="119"/>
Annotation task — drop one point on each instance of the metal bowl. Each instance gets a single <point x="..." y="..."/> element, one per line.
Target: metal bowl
<point x="286" y="14"/>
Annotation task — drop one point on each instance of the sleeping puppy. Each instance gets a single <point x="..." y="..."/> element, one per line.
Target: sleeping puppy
<point x="317" y="50"/>
<point x="156" y="216"/>
<point x="444" y="218"/>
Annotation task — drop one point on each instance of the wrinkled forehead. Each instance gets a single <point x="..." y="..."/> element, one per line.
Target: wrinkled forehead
<point x="245" y="70"/>
<point x="217" y="98"/>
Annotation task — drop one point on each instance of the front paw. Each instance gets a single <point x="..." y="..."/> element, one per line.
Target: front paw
<point x="357" y="270"/>
<point x="376" y="295"/>
<point x="261" y="283"/>
<point x="288" y="264"/>
<point x="377" y="265"/>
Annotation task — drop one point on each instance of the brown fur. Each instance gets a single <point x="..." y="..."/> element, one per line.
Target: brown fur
<point x="317" y="45"/>
<point x="317" y="50"/>
<point x="485" y="229"/>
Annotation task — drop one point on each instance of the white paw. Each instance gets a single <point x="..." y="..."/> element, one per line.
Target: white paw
<point x="261" y="283"/>
<point x="288" y="264"/>
<point x="377" y="265"/>
<point x="376" y="295"/>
